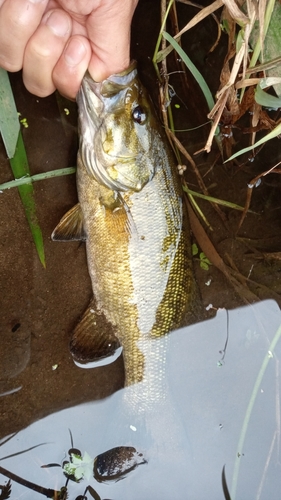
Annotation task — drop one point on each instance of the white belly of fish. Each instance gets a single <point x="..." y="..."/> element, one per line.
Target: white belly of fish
<point x="150" y="262"/>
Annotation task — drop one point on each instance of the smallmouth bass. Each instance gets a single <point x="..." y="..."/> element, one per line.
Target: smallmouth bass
<point x="132" y="215"/>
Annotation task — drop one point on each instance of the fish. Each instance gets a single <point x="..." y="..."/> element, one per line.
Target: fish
<point x="133" y="218"/>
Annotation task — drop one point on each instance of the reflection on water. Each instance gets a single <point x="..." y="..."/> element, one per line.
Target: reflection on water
<point x="220" y="406"/>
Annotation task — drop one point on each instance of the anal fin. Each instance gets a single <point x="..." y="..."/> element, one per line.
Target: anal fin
<point x="70" y="227"/>
<point x="94" y="339"/>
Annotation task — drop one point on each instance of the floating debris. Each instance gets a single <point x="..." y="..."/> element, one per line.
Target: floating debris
<point x="114" y="464"/>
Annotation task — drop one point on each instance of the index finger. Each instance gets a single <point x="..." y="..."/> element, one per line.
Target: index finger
<point x="18" y="21"/>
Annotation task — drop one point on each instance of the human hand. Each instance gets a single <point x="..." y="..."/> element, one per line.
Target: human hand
<point x="55" y="41"/>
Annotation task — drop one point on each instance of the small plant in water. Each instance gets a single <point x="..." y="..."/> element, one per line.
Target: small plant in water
<point x="79" y="467"/>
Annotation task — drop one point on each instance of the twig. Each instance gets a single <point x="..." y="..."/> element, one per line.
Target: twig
<point x="49" y="493"/>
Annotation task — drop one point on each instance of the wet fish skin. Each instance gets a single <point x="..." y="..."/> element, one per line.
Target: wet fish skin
<point x="135" y="224"/>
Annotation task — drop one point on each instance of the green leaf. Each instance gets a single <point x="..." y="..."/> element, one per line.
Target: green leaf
<point x="247" y="418"/>
<point x="80" y="467"/>
<point x="225" y="26"/>
<point x="267" y="100"/>
<point x="192" y="68"/>
<point x="20" y="168"/>
<point x="271" y="135"/>
<point x="69" y="468"/>
<point x="269" y="81"/>
<point x="204" y="265"/>
<point x="272" y="41"/>
<point x="12" y="138"/>
<point x="194" y="249"/>
<point x="240" y="39"/>
<point x="9" y="123"/>
<point x="37" y="177"/>
<point x="198" y="77"/>
<point x="214" y="200"/>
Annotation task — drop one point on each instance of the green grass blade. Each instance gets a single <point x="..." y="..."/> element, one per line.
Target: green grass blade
<point x="192" y="68"/>
<point x="257" y="48"/>
<point x="9" y="123"/>
<point x="267" y="100"/>
<point x="271" y="135"/>
<point x="20" y="168"/>
<point x="198" y="77"/>
<point x="37" y="177"/>
<point x="12" y="138"/>
<point x="154" y="59"/>
<point x="267" y="359"/>
<point x="218" y="201"/>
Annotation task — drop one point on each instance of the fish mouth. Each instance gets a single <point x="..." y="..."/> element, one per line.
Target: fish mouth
<point x="91" y="94"/>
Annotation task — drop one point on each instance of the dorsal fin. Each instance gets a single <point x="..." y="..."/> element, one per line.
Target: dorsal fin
<point x="70" y="227"/>
<point x="93" y="338"/>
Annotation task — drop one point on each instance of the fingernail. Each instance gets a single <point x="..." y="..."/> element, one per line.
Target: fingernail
<point x="74" y="52"/>
<point x="59" y="23"/>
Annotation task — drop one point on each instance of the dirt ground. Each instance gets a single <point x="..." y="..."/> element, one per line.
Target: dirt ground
<point x="39" y="307"/>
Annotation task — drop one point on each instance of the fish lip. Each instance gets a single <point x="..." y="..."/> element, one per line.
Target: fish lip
<point x="118" y="78"/>
<point x="99" y="88"/>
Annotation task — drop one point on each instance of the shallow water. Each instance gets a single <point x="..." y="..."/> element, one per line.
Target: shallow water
<point x="198" y="425"/>
<point x="218" y="409"/>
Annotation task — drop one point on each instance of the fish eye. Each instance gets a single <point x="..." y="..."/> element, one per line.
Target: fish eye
<point x="139" y="115"/>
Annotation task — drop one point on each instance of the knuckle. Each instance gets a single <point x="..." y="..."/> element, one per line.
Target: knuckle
<point x="40" y="51"/>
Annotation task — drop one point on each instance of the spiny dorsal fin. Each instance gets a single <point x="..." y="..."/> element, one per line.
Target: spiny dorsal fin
<point x="93" y="338"/>
<point x="70" y="227"/>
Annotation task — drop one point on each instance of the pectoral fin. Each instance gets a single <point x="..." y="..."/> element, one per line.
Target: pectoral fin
<point x="70" y="227"/>
<point x="94" y="338"/>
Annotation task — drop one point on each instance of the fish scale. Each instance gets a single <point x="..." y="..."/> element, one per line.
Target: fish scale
<point x="135" y="224"/>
